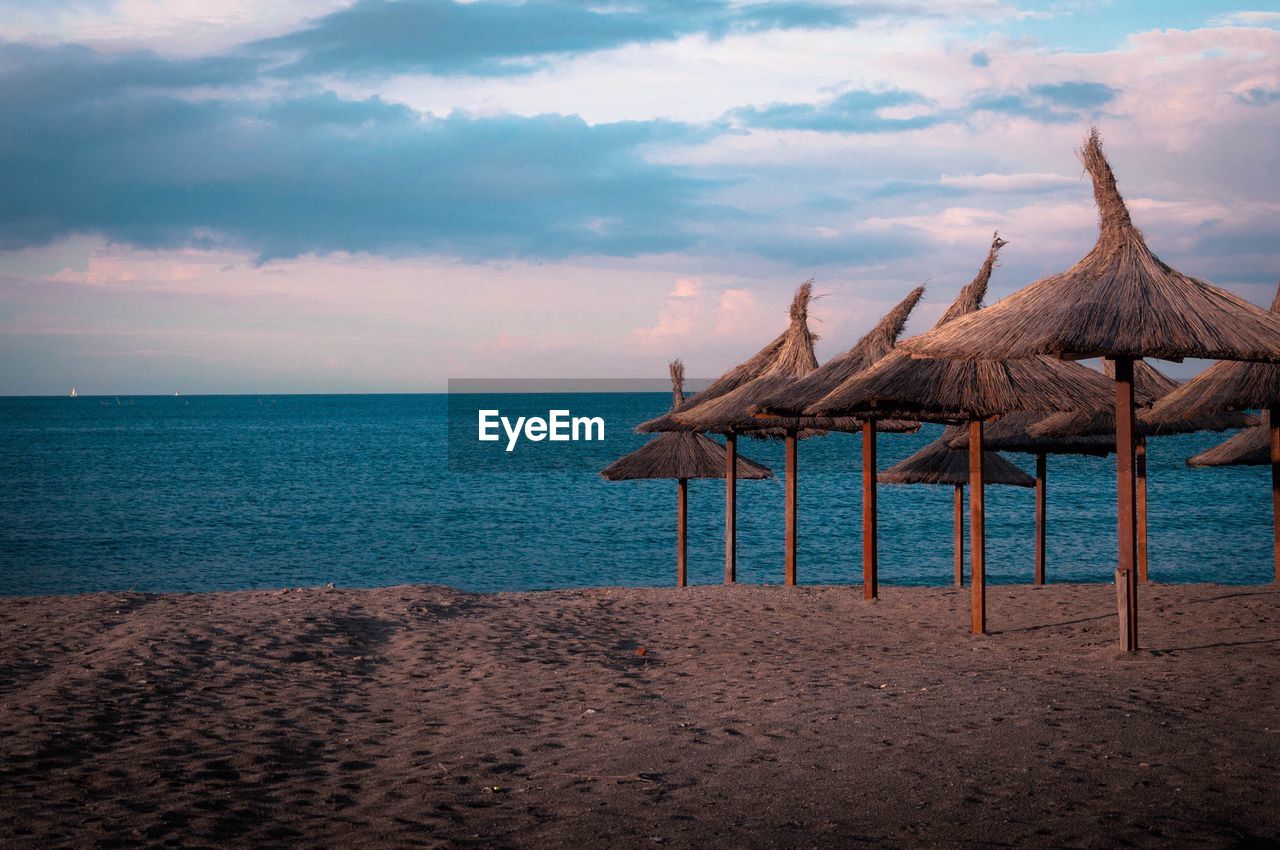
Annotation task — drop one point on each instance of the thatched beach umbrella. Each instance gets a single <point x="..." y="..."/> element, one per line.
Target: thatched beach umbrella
<point x="792" y="399"/>
<point x="680" y="455"/>
<point x="1010" y="433"/>
<point x="791" y="352"/>
<point x="735" y="377"/>
<point x="1120" y="301"/>
<point x="939" y="463"/>
<point x="1149" y="386"/>
<point x="732" y="411"/>
<point x="952" y="391"/>
<point x="1233" y="386"/>
<point x="1251" y="447"/>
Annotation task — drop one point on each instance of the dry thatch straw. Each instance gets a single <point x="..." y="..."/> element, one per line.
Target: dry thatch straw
<point x="952" y="390"/>
<point x="970" y="297"/>
<point x="938" y="463"/>
<point x="1223" y="386"/>
<point x="680" y="454"/>
<point x="734" y="410"/>
<point x="734" y="378"/>
<point x="1150" y="385"/>
<point x="1010" y="434"/>
<point x="960" y="390"/>
<point x="1251" y="447"/>
<point x="879" y="341"/>
<point x="1119" y="301"/>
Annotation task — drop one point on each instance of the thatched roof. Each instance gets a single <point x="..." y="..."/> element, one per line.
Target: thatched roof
<point x="938" y="463"/>
<point x="734" y="378"/>
<point x="1149" y="386"/>
<point x="903" y="386"/>
<point x="955" y="390"/>
<point x="1251" y="447"/>
<point x="735" y="410"/>
<point x="970" y="297"/>
<point x="1223" y="386"/>
<point x="1009" y="434"/>
<point x="877" y="342"/>
<point x="680" y="454"/>
<point x="1119" y="301"/>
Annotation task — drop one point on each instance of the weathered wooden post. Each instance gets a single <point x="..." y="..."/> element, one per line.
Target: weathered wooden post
<point x="1126" y="494"/>
<point x="959" y="512"/>
<point x="791" y="509"/>
<point x="1140" y="473"/>
<point x="682" y="525"/>
<point x="870" y="548"/>
<point x="977" y="531"/>
<point x="1041" y="481"/>
<point x="731" y="508"/>
<point x="1274" y="416"/>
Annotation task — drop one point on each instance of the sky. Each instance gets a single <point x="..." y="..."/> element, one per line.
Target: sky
<point x="371" y="196"/>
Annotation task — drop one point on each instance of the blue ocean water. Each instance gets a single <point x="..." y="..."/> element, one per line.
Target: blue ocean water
<point x="226" y="492"/>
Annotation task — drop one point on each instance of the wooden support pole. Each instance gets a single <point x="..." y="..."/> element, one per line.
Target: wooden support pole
<point x="731" y="508"/>
<point x="682" y="528"/>
<point x="977" y="532"/>
<point x="791" y="509"/>
<point x="1126" y="509"/>
<point x="1041" y="481"/>
<point x="959" y="512"/>
<point x="870" y="547"/>
<point x="1274" y="415"/>
<point x="1140" y="472"/>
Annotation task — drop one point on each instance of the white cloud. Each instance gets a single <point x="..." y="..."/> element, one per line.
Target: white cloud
<point x="1193" y="146"/>
<point x="171" y="27"/>
<point x="1246" y="19"/>
<point x="686" y="287"/>
<point x="1027" y="182"/>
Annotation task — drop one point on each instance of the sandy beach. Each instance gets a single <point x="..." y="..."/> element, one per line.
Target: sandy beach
<point x="733" y="717"/>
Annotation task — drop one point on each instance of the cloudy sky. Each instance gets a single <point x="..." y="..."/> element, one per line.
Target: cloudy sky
<point x="376" y="196"/>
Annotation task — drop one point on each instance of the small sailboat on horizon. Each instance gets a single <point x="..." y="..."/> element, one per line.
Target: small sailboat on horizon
<point x="74" y="393"/>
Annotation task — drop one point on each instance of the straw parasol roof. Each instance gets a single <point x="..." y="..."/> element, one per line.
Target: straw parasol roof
<point x="680" y="454"/>
<point x="1251" y="447"/>
<point x="1149" y="386"/>
<point x="877" y="342"/>
<point x="1223" y="386"/>
<point x="731" y="380"/>
<point x="953" y="390"/>
<point x="1119" y="301"/>
<point x="734" y="410"/>
<point x="938" y="463"/>
<point x="1010" y="434"/>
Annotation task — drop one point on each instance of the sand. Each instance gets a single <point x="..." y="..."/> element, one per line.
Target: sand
<point x="706" y="717"/>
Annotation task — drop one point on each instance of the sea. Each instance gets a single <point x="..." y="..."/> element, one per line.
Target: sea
<point x="205" y="493"/>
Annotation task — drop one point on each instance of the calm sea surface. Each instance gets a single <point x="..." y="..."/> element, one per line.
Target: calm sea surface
<point x="226" y="492"/>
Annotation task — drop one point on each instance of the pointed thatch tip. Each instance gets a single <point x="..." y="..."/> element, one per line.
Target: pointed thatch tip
<point x="1275" y="302"/>
<point x="969" y="299"/>
<point x="886" y="332"/>
<point x="800" y="303"/>
<point x="980" y="282"/>
<point x="896" y="319"/>
<point x="677" y="384"/>
<point x="996" y="244"/>
<point x="1111" y="207"/>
